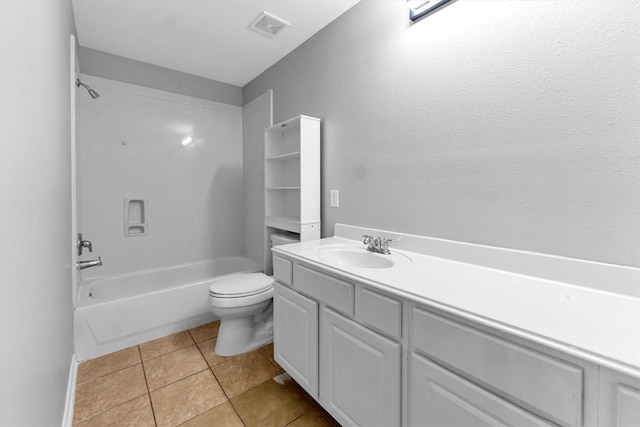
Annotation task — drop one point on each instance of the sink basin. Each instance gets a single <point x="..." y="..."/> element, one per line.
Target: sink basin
<point x="350" y="256"/>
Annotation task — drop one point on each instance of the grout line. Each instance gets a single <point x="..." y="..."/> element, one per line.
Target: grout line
<point x="169" y="352"/>
<point x="107" y="374"/>
<point x="184" y="378"/>
<point x="234" y="406"/>
<point x="202" y="353"/>
<point x="180" y="379"/>
<point x="209" y="367"/>
<point x="237" y="413"/>
<point x="220" y="384"/>
<point x="146" y="382"/>
<point x="144" y="372"/>
<point x="293" y="420"/>
<point x="206" y="339"/>
<point x="110" y="408"/>
<point x="225" y="392"/>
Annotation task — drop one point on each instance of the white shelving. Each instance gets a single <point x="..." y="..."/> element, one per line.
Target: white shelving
<point x="292" y="179"/>
<point x="285" y="156"/>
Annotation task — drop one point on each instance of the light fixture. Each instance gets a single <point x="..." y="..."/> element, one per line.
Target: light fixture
<point x="419" y="8"/>
<point x="187" y="140"/>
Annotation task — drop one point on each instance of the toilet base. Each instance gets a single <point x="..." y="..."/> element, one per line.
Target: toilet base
<point x="244" y="334"/>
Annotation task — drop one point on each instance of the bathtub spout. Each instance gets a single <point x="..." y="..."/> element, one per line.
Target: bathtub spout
<point x="81" y="265"/>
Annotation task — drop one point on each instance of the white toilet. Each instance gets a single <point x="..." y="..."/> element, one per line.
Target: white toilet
<point x="243" y="303"/>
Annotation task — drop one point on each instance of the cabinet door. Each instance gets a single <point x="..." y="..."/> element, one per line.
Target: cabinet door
<point x="360" y="383"/>
<point x="619" y="399"/>
<point x="295" y="337"/>
<point x="438" y="397"/>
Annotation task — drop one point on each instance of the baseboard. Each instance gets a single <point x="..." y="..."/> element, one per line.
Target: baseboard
<point x="67" y="419"/>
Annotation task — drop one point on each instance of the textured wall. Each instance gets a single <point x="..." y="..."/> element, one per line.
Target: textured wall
<point x="506" y="123"/>
<point x="36" y="326"/>
<point x="130" y="147"/>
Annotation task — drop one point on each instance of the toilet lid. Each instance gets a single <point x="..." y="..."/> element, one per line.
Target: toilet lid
<point x="241" y="285"/>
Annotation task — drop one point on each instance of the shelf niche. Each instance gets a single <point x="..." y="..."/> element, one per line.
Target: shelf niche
<point x="292" y="180"/>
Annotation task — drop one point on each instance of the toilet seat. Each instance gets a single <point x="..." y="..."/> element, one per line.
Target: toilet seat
<point x="240" y="290"/>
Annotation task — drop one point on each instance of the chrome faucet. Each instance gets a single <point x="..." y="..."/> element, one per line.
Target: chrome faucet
<point x="378" y="245"/>
<point x="81" y="265"/>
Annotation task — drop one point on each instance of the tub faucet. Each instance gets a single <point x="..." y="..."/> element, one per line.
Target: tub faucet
<point x="81" y="243"/>
<point x="378" y="245"/>
<point x="81" y="265"/>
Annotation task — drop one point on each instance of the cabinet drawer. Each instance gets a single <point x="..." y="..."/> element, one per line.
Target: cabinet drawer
<point x="282" y="269"/>
<point x="438" y="397"/>
<point x="534" y="380"/>
<point x="381" y="312"/>
<point x="334" y="292"/>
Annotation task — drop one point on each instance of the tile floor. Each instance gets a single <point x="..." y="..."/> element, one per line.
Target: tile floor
<point x="178" y="380"/>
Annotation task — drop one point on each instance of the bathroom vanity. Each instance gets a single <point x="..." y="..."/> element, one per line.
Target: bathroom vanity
<point x="476" y="336"/>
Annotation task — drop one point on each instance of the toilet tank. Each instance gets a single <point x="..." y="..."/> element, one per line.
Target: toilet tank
<point x="278" y="239"/>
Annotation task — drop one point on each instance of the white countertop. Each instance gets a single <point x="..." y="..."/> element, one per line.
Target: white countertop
<point x="595" y="325"/>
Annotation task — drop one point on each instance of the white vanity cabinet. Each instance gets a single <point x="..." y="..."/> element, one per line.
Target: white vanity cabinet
<point x="619" y="399"/>
<point x="374" y="357"/>
<point x="355" y="372"/>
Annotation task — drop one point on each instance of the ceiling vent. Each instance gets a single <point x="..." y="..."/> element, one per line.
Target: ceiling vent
<point x="268" y="24"/>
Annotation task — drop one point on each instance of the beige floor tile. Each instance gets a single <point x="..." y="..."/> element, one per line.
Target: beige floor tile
<point x="206" y="347"/>
<point x="267" y="351"/>
<point x="184" y="399"/>
<point x="205" y="332"/>
<point x="244" y="371"/>
<point x="313" y="419"/>
<point x="173" y="366"/>
<point x="101" y="366"/>
<point x="155" y="348"/>
<point x="222" y="415"/>
<point x="273" y="403"/>
<point x="135" y="413"/>
<point x="93" y="397"/>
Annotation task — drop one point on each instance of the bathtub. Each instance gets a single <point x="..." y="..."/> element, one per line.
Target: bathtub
<point x="120" y="311"/>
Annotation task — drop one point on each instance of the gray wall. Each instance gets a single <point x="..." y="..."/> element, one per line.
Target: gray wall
<point x="114" y="67"/>
<point x="505" y="123"/>
<point x="35" y="211"/>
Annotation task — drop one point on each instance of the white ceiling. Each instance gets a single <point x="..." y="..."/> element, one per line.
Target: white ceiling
<point x="207" y="38"/>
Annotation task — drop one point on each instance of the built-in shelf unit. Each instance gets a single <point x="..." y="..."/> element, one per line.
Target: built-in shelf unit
<point x="292" y="180"/>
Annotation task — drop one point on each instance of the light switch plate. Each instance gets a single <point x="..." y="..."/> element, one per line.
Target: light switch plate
<point x="335" y="198"/>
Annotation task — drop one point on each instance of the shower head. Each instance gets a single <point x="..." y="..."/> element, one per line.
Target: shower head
<point x="92" y="92"/>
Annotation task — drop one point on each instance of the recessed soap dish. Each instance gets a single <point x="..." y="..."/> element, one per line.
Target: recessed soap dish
<point x="135" y="217"/>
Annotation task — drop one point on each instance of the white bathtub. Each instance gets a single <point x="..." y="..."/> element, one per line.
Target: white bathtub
<point x="119" y="311"/>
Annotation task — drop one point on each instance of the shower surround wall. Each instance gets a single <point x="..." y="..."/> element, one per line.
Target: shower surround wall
<point x="130" y="148"/>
